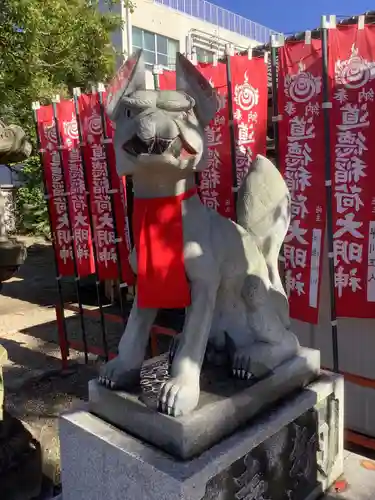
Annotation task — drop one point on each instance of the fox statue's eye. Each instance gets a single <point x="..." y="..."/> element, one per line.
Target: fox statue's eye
<point x="128" y="113"/>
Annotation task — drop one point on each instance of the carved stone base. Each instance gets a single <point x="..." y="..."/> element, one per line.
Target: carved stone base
<point x="293" y="452"/>
<point x="225" y="404"/>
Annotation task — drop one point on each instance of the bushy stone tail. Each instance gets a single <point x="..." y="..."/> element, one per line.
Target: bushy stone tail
<point x="263" y="209"/>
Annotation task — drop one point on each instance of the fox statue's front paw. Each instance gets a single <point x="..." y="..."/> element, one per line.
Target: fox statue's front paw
<point x="179" y="396"/>
<point x="115" y="375"/>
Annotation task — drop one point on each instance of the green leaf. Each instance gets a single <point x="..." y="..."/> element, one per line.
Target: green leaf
<point x="46" y="48"/>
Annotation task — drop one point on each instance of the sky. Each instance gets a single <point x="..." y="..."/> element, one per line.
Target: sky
<point x="290" y="16"/>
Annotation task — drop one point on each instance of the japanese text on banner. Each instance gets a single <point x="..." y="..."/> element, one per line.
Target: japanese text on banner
<point x="216" y="181"/>
<point x="250" y="98"/>
<point x="75" y="184"/>
<point x="53" y="174"/>
<point x="301" y="154"/>
<point x="352" y="79"/>
<point x="101" y="207"/>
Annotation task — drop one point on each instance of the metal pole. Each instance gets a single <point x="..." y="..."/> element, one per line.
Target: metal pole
<point x="228" y="54"/>
<point x="276" y="42"/>
<point x="155" y="73"/>
<point x="77" y="279"/>
<point x="194" y="60"/>
<point x="126" y="34"/>
<point x="325" y="25"/>
<point x="111" y="192"/>
<point x="47" y="197"/>
<point x="76" y="94"/>
<point x="129" y="28"/>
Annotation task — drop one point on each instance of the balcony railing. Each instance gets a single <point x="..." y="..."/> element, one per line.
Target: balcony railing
<point x="220" y="17"/>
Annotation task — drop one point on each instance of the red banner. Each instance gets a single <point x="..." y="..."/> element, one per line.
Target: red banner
<point x="250" y="107"/>
<point x="167" y="80"/>
<point x="121" y="207"/>
<point x="352" y="93"/>
<point x="54" y="179"/>
<point x="75" y="185"/>
<point x="216" y="182"/>
<point x="101" y="207"/>
<point x="301" y="156"/>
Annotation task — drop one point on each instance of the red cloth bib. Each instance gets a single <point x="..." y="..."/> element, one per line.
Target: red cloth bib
<point x="158" y="238"/>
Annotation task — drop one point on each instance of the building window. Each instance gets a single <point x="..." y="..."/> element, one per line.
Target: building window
<point x="204" y="56"/>
<point x="157" y="49"/>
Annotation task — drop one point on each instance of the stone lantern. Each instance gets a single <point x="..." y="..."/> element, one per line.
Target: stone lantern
<point x="14" y="147"/>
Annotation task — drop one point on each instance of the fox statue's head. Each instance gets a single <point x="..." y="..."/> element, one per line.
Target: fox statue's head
<point x="160" y="129"/>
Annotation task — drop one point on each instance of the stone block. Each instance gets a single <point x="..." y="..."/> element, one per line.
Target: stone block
<point x="294" y="451"/>
<point x="225" y="404"/>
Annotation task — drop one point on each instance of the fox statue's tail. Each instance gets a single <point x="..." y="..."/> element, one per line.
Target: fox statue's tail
<point x="263" y="209"/>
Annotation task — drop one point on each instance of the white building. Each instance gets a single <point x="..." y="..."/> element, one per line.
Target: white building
<point x="163" y="27"/>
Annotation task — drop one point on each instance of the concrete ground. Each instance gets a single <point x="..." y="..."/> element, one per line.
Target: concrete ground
<point x="37" y="391"/>
<point x="358" y="481"/>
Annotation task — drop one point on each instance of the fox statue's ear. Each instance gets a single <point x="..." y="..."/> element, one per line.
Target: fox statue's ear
<point x="129" y="78"/>
<point x="191" y="81"/>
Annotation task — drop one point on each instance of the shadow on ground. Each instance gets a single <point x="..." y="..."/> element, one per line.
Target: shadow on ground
<point x="39" y="403"/>
<point x="35" y="281"/>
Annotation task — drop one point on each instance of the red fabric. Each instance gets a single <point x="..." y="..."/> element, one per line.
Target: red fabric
<point x="167" y="80"/>
<point x="158" y="239"/>
<point x="352" y="93"/>
<point x="75" y="185"/>
<point x="53" y="174"/>
<point x="216" y="182"/>
<point x="97" y="171"/>
<point x="301" y="160"/>
<point x="250" y="96"/>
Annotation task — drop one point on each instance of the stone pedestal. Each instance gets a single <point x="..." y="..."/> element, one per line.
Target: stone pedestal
<point x="225" y="403"/>
<point x="293" y="451"/>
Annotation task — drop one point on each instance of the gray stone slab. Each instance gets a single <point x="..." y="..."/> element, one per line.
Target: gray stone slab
<point x="225" y="404"/>
<point x="293" y="452"/>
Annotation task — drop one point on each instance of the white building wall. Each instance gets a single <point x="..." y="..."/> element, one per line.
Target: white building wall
<point x="165" y="21"/>
<point x="187" y="30"/>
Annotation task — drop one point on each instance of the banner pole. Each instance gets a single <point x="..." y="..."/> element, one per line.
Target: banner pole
<point x="276" y="42"/>
<point x="77" y="279"/>
<point x="47" y="196"/>
<point x="194" y="60"/>
<point x="228" y="53"/>
<point x="106" y="141"/>
<point x="327" y="105"/>
<point x="76" y="94"/>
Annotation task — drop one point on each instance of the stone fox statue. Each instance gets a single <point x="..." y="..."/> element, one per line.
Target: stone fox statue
<point x="236" y="302"/>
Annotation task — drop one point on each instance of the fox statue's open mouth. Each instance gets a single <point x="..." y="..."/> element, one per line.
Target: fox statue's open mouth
<point x="156" y="146"/>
